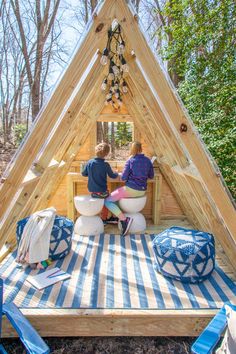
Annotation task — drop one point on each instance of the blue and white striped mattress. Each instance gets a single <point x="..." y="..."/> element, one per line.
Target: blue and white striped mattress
<point x="110" y="271"/>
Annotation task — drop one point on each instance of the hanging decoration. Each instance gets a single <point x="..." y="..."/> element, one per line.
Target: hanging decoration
<point x="114" y="83"/>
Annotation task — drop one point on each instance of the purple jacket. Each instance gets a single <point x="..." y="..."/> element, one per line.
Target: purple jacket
<point x="136" y="172"/>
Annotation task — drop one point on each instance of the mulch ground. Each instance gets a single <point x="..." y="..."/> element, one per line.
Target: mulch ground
<point x="110" y="345"/>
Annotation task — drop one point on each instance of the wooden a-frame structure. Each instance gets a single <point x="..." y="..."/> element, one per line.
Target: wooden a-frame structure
<point x="63" y="125"/>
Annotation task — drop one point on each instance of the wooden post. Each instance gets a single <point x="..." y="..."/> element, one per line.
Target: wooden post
<point x="70" y="196"/>
<point x="156" y="204"/>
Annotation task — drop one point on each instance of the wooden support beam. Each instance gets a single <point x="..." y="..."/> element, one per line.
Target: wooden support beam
<point x="157" y="189"/>
<point x="115" y="117"/>
<point x="187" y="171"/>
<point x="95" y="38"/>
<point x="33" y="175"/>
<point x="115" y="322"/>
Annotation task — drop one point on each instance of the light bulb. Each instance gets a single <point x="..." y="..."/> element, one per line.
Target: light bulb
<point x="112" y="86"/>
<point x="104" y="85"/>
<point x="125" y="68"/>
<point x="116" y="86"/>
<point x="114" y="24"/>
<point x="121" y="48"/>
<point x="111" y="76"/>
<point x="119" y="101"/>
<point x="103" y="60"/>
<point x="109" y="96"/>
<point x="116" y="70"/>
<point x="124" y="65"/>
<point x="124" y="87"/>
<point x="104" y="57"/>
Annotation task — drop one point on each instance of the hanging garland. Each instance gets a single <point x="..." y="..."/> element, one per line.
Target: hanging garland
<point x="114" y="82"/>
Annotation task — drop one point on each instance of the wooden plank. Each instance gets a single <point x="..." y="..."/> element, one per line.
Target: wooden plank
<point x="217" y="227"/>
<point x="48" y="116"/>
<point x="33" y="175"/>
<point x="157" y="188"/>
<point x="175" y="113"/>
<point x="90" y="110"/>
<point x="115" y="117"/>
<point x="88" y="322"/>
<point x="70" y="196"/>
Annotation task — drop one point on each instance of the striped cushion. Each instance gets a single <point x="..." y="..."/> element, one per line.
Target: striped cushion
<point x="61" y="236"/>
<point x="185" y="255"/>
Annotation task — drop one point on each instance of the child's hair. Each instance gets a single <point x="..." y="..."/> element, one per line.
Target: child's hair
<point x="102" y="150"/>
<point x="136" y="148"/>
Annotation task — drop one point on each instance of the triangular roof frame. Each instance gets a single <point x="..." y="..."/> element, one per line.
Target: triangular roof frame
<point x="49" y="149"/>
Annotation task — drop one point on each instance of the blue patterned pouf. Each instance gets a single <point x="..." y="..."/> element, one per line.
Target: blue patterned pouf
<point x="61" y="236"/>
<point x="185" y="255"/>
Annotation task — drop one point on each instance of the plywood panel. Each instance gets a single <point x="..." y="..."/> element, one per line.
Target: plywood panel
<point x="84" y="153"/>
<point x="58" y="201"/>
<point x="169" y="204"/>
<point x="110" y="109"/>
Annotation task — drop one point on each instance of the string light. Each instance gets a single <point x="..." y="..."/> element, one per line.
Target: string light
<point x="113" y="55"/>
<point x="104" y="85"/>
<point x="124" y="87"/>
<point x="104" y="58"/>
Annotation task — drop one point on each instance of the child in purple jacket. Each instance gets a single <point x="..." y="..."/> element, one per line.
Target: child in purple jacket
<point x="135" y="174"/>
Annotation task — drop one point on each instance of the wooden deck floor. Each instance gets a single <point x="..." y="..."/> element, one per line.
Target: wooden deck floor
<point x="124" y="322"/>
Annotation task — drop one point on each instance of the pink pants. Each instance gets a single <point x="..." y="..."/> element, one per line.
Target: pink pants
<point x="122" y="192"/>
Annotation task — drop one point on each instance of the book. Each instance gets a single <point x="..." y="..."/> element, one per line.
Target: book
<point x="153" y="159"/>
<point x="47" y="278"/>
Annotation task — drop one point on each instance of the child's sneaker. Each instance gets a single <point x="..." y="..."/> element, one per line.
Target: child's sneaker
<point x="125" y="225"/>
<point x="112" y="220"/>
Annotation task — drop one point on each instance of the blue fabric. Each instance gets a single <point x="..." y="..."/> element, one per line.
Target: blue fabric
<point x="185" y="255"/>
<point x="61" y="236"/>
<point x="136" y="172"/>
<point x="97" y="170"/>
<point x="28" y="335"/>
<point x="210" y="336"/>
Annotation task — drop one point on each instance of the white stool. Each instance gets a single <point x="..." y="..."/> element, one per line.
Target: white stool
<point x="88" y="223"/>
<point x="138" y="224"/>
<point x="132" y="208"/>
<point x="132" y="205"/>
<point x="88" y="206"/>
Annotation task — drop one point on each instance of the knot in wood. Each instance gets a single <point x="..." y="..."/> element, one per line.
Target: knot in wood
<point x="183" y="128"/>
<point x="99" y="27"/>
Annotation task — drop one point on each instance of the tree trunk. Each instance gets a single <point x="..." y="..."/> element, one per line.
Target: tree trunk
<point x="112" y="140"/>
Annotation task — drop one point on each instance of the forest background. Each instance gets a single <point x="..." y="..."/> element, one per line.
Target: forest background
<point x="194" y="39"/>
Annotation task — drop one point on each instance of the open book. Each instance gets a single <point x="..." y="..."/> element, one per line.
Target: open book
<point x="47" y="278"/>
<point x="153" y="159"/>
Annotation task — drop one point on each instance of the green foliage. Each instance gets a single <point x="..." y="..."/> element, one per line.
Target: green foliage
<point x="19" y="132"/>
<point x="200" y="45"/>
<point x="123" y="134"/>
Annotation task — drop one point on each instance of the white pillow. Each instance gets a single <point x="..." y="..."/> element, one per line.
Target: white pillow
<point x="228" y="345"/>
